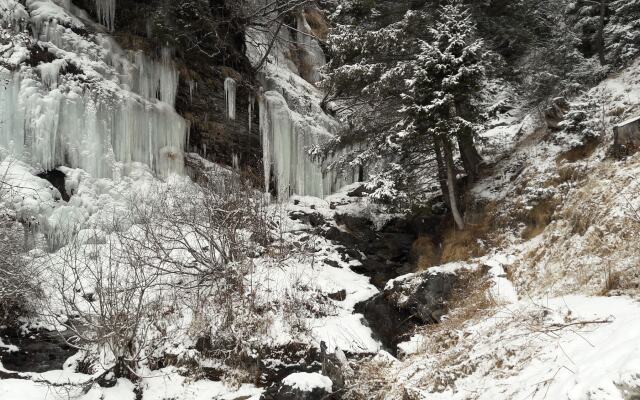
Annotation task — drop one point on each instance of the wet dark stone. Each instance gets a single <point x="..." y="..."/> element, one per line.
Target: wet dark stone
<point x="284" y="392"/>
<point x="394" y="314"/>
<point x="338" y="296"/>
<point x="57" y="179"/>
<point x="38" y="351"/>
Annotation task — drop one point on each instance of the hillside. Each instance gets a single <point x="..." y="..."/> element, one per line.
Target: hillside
<point x="304" y="200"/>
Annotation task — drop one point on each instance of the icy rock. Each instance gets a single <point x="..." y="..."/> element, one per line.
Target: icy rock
<point x="302" y="386"/>
<point x="406" y="303"/>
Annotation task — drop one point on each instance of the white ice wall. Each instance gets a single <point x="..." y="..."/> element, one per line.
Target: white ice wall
<point x="87" y="129"/>
<point x="114" y="108"/>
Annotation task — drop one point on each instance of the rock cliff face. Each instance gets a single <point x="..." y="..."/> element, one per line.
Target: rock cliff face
<point x="203" y="68"/>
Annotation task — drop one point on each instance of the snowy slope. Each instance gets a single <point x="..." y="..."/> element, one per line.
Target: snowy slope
<point x="560" y="318"/>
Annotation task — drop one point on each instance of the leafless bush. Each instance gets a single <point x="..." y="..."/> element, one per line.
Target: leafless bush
<point x="192" y="248"/>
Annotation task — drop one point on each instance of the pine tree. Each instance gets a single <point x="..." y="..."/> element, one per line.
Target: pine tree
<point x="448" y="70"/>
<point x="623" y="32"/>
<point x="407" y="90"/>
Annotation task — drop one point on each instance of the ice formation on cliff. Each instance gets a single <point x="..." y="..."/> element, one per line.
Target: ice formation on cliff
<point x="230" y="88"/>
<point x="93" y="106"/>
<point x="292" y="122"/>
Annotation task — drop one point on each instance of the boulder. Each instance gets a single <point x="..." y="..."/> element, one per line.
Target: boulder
<point x="406" y="303"/>
<point x="626" y="136"/>
<point x="554" y="114"/>
<point x="301" y="386"/>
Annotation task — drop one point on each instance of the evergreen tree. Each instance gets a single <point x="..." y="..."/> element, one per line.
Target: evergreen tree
<point x="622" y="34"/>
<point x="407" y="92"/>
<point x="447" y="72"/>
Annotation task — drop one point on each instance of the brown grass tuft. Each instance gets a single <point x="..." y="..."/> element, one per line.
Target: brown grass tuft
<point x="579" y="152"/>
<point x="425" y="252"/>
<point x="318" y="23"/>
<point x="538" y="217"/>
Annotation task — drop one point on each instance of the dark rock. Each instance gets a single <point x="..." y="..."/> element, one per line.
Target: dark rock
<point x="313" y="219"/>
<point x="332" y="263"/>
<point x="272" y="365"/>
<point x="554" y="114"/>
<point x="338" y="296"/>
<point x="396" y="312"/>
<point x="360" y="191"/>
<point x="57" y="179"/>
<point x="281" y="391"/>
<point x="626" y="136"/>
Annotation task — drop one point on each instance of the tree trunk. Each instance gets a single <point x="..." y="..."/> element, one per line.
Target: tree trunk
<point x="451" y="183"/>
<point x="442" y="171"/>
<point x="468" y="153"/>
<point x="470" y="157"/>
<point x="601" y="44"/>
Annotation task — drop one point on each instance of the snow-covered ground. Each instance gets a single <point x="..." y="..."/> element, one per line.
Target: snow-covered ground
<point x="563" y="311"/>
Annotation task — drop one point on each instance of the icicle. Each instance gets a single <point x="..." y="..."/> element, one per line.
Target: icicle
<point x="192" y="87"/>
<point x="265" y="136"/>
<point x="252" y="100"/>
<point x="168" y="76"/>
<point x="285" y="144"/>
<point x="106" y="11"/>
<point x="235" y="161"/>
<point x="230" y="87"/>
<point x="50" y="72"/>
<point x="149" y="78"/>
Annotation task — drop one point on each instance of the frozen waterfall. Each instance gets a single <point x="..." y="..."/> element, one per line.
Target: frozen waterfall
<point x="87" y="129"/>
<point x="230" y="88"/>
<point x="286" y="142"/>
<point x="152" y="79"/>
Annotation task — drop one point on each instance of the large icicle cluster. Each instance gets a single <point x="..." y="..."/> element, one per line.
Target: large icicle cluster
<point x="87" y="129"/>
<point x="152" y="79"/>
<point x="292" y="122"/>
<point x="284" y="146"/>
<point x="113" y="108"/>
<point x="106" y="11"/>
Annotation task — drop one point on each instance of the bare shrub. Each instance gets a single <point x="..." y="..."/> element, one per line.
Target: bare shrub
<point x="181" y="262"/>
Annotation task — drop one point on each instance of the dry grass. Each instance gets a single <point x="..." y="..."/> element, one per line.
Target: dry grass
<point x="451" y="244"/>
<point x="425" y="252"/>
<point x="463" y="245"/>
<point x="470" y="302"/>
<point x="579" y="152"/>
<point x="318" y="23"/>
<point x="538" y="217"/>
<point x="370" y="380"/>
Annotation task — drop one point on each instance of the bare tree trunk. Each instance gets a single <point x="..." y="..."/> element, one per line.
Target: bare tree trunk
<point x="601" y="44"/>
<point x="442" y="171"/>
<point x="470" y="157"/>
<point x="468" y="153"/>
<point x="451" y="183"/>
